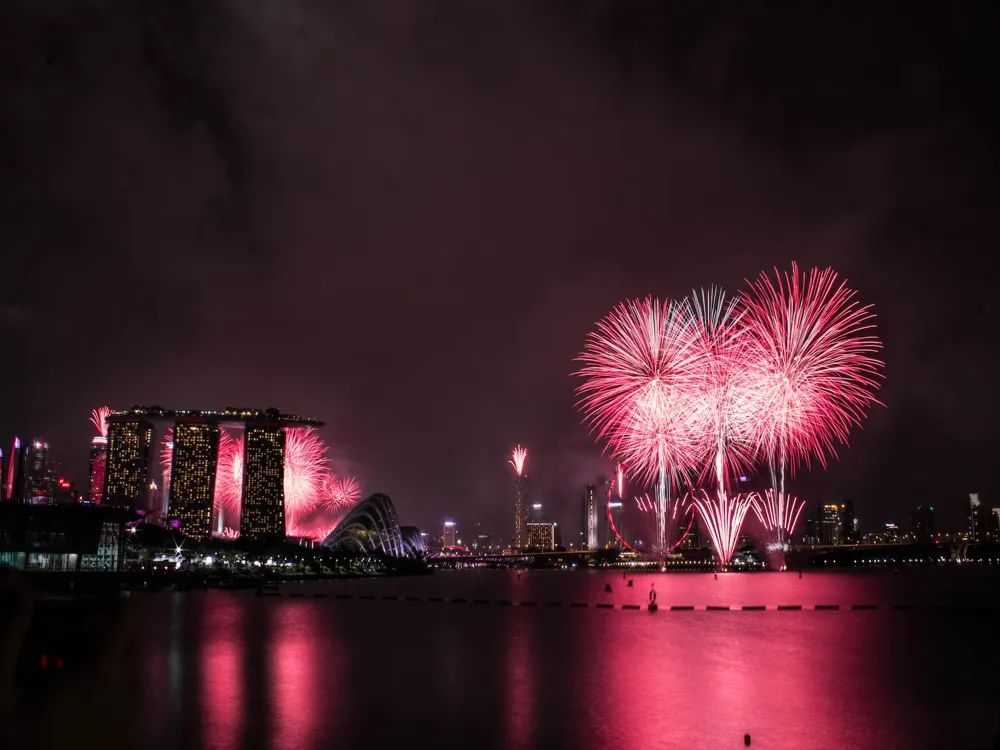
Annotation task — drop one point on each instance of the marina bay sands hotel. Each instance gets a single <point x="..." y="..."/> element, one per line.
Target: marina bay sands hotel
<point x="194" y="460"/>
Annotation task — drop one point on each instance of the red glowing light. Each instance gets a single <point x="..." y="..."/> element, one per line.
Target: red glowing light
<point x="517" y="459"/>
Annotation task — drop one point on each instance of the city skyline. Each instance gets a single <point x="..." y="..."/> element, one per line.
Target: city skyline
<point x="657" y="175"/>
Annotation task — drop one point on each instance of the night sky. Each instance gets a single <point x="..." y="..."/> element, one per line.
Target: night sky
<point x="403" y="218"/>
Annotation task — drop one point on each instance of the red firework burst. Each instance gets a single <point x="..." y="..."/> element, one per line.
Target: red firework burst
<point x="518" y="457"/>
<point x="99" y="418"/>
<point x="813" y="361"/>
<point x="722" y="519"/>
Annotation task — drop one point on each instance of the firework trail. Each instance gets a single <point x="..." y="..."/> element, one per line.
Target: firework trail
<point x="680" y="510"/>
<point x="229" y="476"/>
<point x="725" y="410"/>
<point x="517" y="459"/>
<point x="99" y="418"/>
<point x="722" y="516"/>
<point x="638" y="368"/>
<point x="228" y="534"/>
<point x="778" y="513"/>
<point x="812" y="361"/>
<point x="167" y="457"/>
<point x="621" y="481"/>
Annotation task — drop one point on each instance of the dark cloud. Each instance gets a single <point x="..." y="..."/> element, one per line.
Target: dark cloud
<point x="403" y="218"/>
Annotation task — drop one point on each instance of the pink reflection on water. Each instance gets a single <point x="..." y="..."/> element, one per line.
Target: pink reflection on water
<point x="296" y="658"/>
<point x="520" y="688"/>
<point x="222" y="675"/>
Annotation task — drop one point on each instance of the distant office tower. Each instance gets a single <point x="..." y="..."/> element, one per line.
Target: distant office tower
<point x="848" y="531"/>
<point x="810" y="536"/>
<point x="98" y="467"/>
<point x="126" y="478"/>
<point x="522" y="510"/>
<point x="34" y="469"/>
<point x="263" y="506"/>
<point x="891" y="533"/>
<point x="541" y="536"/>
<point x="613" y="514"/>
<point x="192" y="476"/>
<point x="976" y="519"/>
<point x="922" y="523"/>
<point x="448" y="535"/>
<point x="590" y="517"/>
<point x="994" y="525"/>
<point x="536" y="513"/>
<point x="829" y="524"/>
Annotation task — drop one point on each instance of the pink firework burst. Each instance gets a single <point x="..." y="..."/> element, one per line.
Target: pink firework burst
<point x="813" y="360"/>
<point x="228" y="534"/>
<point x="99" y="418"/>
<point x="306" y="470"/>
<point x="778" y="513"/>
<point x="723" y="399"/>
<point x="229" y="475"/>
<point x="638" y="369"/>
<point x="643" y="519"/>
<point x="340" y="493"/>
<point x="518" y="457"/>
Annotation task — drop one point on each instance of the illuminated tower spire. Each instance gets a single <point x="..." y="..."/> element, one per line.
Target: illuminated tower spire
<point x="521" y="507"/>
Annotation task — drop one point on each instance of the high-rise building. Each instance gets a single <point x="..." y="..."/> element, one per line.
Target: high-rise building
<point x="34" y="469"/>
<point x="522" y="510"/>
<point x="536" y="513"/>
<point x="541" y="535"/>
<point x="590" y="517"/>
<point x="448" y="535"/>
<point x="976" y="519"/>
<point x="848" y="531"/>
<point x="994" y="525"/>
<point x="126" y="478"/>
<point x="98" y="467"/>
<point x="192" y="476"/>
<point x="829" y="524"/>
<point x="891" y="533"/>
<point x="263" y="510"/>
<point x="922" y="523"/>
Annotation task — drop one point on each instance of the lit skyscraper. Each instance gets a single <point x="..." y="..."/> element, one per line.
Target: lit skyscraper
<point x="590" y="517"/>
<point x="976" y="519"/>
<point x="34" y="469"/>
<point x="522" y="507"/>
<point x="448" y="537"/>
<point x="263" y="509"/>
<point x="829" y="524"/>
<point x="192" y="476"/>
<point x="126" y="478"/>
<point x="98" y="467"/>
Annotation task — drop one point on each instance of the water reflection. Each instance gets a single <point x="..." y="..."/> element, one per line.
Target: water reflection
<point x="295" y="705"/>
<point x="227" y="669"/>
<point x="520" y="688"/>
<point x="222" y="674"/>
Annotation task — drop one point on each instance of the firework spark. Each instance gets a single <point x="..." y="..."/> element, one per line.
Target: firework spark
<point x="621" y="481"/>
<point x="517" y="459"/>
<point x="228" y="534"/>
<point x="813" y="362"/>
<point x="778" y="513"/>
<point x="722" y="518"/>
<point x="229" y="475"/>
<point x="638" y="369"/>
<point x="306" y="470"/>
<point x="167" y="457"/>
<point x="99" y="418"/>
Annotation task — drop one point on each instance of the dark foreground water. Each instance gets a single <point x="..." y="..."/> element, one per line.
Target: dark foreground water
<point x="229" y="669"/>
